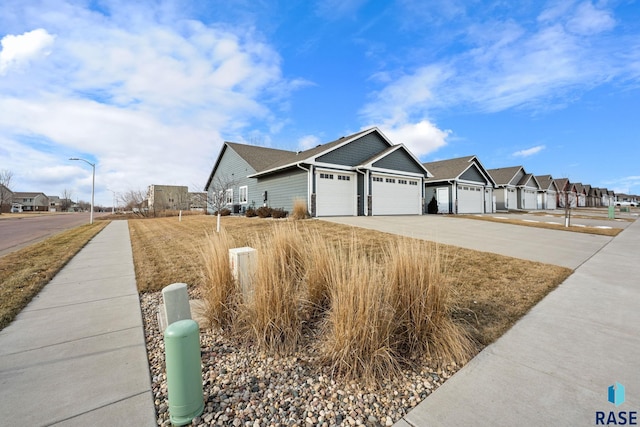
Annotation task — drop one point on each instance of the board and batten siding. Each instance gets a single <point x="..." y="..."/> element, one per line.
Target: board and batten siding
<point x="356" y="151"/>
<point x="399" y="160"/>
<point x="473" y="174"/>
<point x="283" y="189"/>
<point x="234" y="168"/>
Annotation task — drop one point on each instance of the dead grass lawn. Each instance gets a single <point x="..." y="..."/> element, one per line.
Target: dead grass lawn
<point x="490" y="291"/>
<point x="25" y="272"/>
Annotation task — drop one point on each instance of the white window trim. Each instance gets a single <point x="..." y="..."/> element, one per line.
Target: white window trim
<point x="243" y="198"/>
<point x="228" y="196"/>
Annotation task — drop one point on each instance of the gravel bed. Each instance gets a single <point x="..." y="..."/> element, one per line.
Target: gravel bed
<point x="244" y="387"/>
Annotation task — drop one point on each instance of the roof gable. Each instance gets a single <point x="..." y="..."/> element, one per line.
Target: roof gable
<point x="546" y="182"/>
<point x="507" y="176"/>
<point x="467" y="168"/>
<point x="396" y="157"/>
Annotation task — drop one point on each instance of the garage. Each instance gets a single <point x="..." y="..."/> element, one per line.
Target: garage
<point x="395" y="195"/>
<point x="470" y="199"/>
<point x="529" y="199"/>
<point x="335" y="193"/>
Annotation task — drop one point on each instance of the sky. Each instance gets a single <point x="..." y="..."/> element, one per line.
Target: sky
<point x="148" y="91"/>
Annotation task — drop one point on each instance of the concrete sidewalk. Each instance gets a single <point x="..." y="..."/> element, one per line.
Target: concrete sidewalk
<point x="555" y="365"/>
<point x="76" y="355"/>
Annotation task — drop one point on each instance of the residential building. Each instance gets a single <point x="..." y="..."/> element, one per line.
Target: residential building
<point x="31" y="202"/>
<point x="168" y="197"/>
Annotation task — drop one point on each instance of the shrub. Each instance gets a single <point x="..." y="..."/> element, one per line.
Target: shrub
<point x="225" y="212"/>
<point x="250" y="213"/>
<point x="300" y="210"/>
<point x="279" y="213"/>
<point x="264" y="211"/>
<point x="432" y="207"/>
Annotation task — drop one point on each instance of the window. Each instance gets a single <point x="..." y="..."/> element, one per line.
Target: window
<point x="243" y="194"/>
<point x="402" y="181"/>
<point x="413" y="182"/>
<point x="344" y="178"/>
<point x="377" y="179"/>
<point x="391" y="180"/>
<point x="228" y="196"/>
<point x="326" y="176"/>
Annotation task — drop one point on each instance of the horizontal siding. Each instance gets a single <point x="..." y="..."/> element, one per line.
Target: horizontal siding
<point x="356" y="151"/>
<point x="232" y="168"/>
<point x="282" y="189"/>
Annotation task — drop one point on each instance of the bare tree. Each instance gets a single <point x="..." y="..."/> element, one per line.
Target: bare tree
<point x="220" y="195"/>
<point x="65" y="201"/>
<point x="5" y="188"/>
<point x="134" y="200"/>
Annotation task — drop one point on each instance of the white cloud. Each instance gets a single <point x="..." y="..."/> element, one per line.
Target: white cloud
<point x="529" y="151"/>
<point x="420" y="138"/>
<point x="308" y="141"/>
<point x="149" y="96"/>
<point x="589" y="20"/>
<point x="18" y="50"/>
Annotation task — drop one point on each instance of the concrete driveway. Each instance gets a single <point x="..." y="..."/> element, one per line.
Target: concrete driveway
<point x="563" y="248"/>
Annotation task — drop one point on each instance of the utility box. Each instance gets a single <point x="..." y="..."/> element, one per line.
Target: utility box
<point x="176" y="303"/>
<point x="244" y="263"/>
<point x="184" y="372"/>
<point x="612" y="212"/>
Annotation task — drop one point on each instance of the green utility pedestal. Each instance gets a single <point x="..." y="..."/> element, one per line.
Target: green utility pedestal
<point x="184" y="374"/>
<point x="612" y="212"/>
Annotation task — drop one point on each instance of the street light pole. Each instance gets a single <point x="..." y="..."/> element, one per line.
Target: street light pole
<point x="93" y="184"/>
<point x="113" y="208"/>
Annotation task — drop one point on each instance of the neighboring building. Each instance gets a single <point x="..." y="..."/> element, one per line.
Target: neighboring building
<point x="460" y="185"/>
<point x="566" y="193"/>
<point x="507" y="181"/>
<point x="168" y="197"/>
<point x="581" y="194"/>
<point x="360" y="174"/>
<point x="31" y="202"/>
<point x="528" y="188"/>
<point x="548" y="193"/>
<point x="198" y="201"/>
<point x="6" y="199"/>
<point x="55" y="204"/>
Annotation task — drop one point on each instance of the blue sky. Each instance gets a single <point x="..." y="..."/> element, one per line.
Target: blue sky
<point x="149" y="90"/>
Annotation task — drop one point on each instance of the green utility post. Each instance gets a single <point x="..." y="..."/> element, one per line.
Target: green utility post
<point x="184" y="374"/>
<point x="612" y="212"/>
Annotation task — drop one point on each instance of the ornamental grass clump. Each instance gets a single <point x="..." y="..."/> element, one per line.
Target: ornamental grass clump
<point x="300" y="210"/>
<point x="271" y="318"/>
<point x="219" y="289"/>
<point x="421" y="298"/>
<point x="358" y="340"/>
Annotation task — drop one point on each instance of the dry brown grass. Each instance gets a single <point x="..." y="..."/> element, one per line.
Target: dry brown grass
<point x="489" y="292"/>
<point x="25" y="272"/>
<point x="300" y="210"/>
<point x="587" y="230"/>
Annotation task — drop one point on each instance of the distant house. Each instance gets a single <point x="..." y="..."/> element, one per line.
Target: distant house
<point x="567" y="195"/>
<point x="360" y="174"/>
<point x="460" y="185"/>
<point x="6" y="199"/>
<point x="168" y="197"/>
<point x="31" y="202"/>
<point x="581" y="194"/>
<point x="527" y="189"/>
<point x="507" y="181"/>
<point x="55" y="204"/>
<point x="198" y="201"/>
<point x="548" y="193"/>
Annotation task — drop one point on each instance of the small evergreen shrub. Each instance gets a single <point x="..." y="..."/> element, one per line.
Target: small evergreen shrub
<point x="432" y="207"/>
<point x="264" y="211"/>
<point x="279" y="213"/>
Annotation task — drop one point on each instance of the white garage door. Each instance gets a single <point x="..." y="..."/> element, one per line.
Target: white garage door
<point x="512" y="199"/>
<point x="392" y="195"/>
<point x="470" y="199"/>
<point x="530" y="201"/>
<point x="551" y="200"/>
<point x="335" y="194"/>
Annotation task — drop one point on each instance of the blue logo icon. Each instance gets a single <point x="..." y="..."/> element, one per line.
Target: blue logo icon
<point x="616" y="394"/>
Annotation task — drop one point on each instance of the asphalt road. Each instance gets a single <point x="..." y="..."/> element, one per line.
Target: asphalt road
<point x="18" y="232"/>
